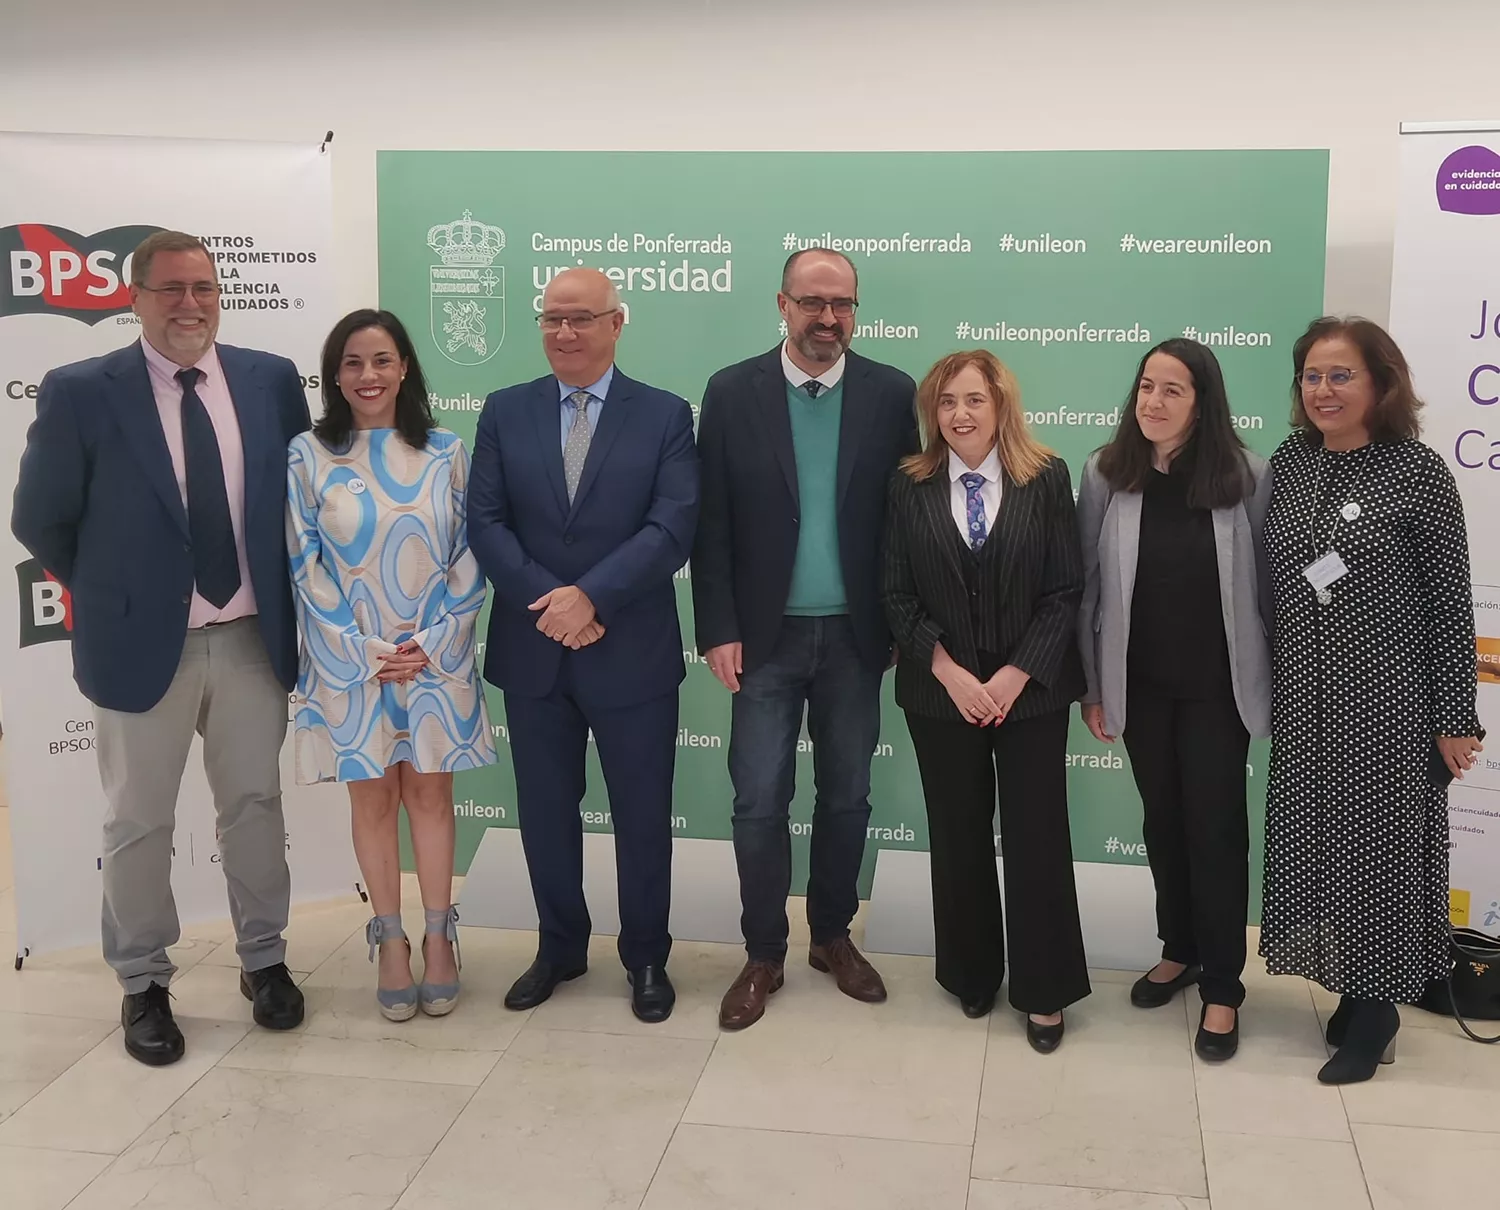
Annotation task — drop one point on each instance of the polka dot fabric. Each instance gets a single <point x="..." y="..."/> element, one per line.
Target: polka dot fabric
<point x="1356" y="887"/>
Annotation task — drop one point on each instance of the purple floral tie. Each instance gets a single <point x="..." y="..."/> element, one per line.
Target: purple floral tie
<point x="974" y="507"/>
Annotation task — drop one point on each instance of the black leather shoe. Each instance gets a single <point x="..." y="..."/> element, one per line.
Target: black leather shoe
<point x="276" y="998"/>
<point x="1338" y="1022"/>
<point x="538" y="983"/>
<point x="1215" y="1048"/>
<point x="1370" y="1041"/>
<point x="651" y="994"/>
<point x="1146" y="994"/>
<point x="151" y="1036"/>
<point x="1044" y="1039"/>
<point x="978" y="1008"/>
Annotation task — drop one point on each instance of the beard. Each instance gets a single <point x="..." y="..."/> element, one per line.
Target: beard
<point x="816" y="351"/>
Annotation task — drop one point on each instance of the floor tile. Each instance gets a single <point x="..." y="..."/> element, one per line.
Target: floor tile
<point x="293" y="1142"/>
<point x="566" y="1119"/>
<point x="35" y="1050"/>
<point x="600" y="1001"/>
<point x="387" y="1059"/>
<point x="35" y="1179"/>
<point x="1247" y="1172"/>
<point x="71" y="983"/>
<point x="1439" y="1079"/>
<point x="1270" y="1087"/>
<point x="104" y="1101"/>
<point x="1411" y="1169"/>
<point x="818" y="1061"/>
<point x="1115" y="1108"/>
<point x="733" y="1169"/>
<point x="314" y="932"/>
<point x="1003" y="1195"/>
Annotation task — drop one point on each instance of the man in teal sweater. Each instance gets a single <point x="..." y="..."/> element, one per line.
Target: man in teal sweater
<point x="797" y="446"/>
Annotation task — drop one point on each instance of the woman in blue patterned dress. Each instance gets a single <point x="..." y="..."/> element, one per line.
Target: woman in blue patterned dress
<point x="387" y="594"/>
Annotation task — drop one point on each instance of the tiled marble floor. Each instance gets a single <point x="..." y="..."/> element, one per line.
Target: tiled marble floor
<point x="825" y="1104"/>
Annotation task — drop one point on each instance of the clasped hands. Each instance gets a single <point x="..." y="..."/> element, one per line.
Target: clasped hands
<point x="568" y="617"/>
<point x="980" y="702"/>
<point x="402" y="665"/>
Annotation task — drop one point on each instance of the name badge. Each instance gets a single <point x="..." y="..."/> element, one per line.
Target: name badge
<point x="357" y="486"/>
<point x="1324" y="572"/>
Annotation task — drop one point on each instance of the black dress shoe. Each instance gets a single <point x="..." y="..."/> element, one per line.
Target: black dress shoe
<point x="651" y="994"/>
<point x="1369" y="1041"/>
<point x="275" y="997"/>
<point x="1215" y="1048"/>
<point x="538" y="983"/>
<point x="1044" y="1039"/>
<point x="151" y="1036"/>
<point x="1146" y="994"/>
<point x="978" y="1008"/>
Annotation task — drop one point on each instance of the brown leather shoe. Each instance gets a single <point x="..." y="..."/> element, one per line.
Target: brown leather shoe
<point x="745" y="1001"/>
<point x="856" y="977"/>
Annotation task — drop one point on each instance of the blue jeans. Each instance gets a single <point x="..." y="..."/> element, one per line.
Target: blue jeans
<point x="816" y="662"/>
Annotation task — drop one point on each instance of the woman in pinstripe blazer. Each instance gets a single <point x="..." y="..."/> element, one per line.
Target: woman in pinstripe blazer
<point x="983" y="578"/>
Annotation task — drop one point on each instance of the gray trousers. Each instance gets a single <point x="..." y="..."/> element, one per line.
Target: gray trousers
<point x="225" y="691"/>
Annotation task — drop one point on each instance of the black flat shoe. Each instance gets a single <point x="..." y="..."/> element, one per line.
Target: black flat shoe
<point x="1215" y="1048"/>
<point x="538" y="983"/>
<point x="1369" y="1042"/>
<point x="151" y="1035"/>
<point x="981" y="1007"/>
<point x="276" y="1000"/>
<point x="1338" y="1022"/>
<point x="1044" y="1039"/>
<point x="651" y="994"/>
<point x="1146" y="994"/>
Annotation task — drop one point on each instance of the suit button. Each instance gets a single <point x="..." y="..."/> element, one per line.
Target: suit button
<point x="187" y="600"/>
<point x="567" y="539"/>
<point x="187" y="547"/>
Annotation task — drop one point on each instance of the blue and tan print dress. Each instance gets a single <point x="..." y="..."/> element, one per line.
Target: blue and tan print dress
<point x="380" y="554"/>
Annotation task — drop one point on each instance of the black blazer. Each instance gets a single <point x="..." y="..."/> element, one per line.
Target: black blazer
<point x="747" y="523"/>
<point x="1035" y="583"/>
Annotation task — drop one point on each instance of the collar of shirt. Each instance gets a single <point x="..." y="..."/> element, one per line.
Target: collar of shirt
<point x="989" y="468"/>
<point x="163" y="368"/>
<point x="598" y="390"/>
<point x="797" y="377"/>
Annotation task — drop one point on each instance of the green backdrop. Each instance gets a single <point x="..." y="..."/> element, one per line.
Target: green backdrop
<point x="1068" y="265"/>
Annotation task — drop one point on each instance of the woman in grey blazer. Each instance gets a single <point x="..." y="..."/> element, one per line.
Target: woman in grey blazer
<point x="1173" y="626"/>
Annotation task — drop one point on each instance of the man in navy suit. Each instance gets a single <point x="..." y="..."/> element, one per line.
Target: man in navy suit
<point x="153" y="487"/>
<point x="583" y="499"/>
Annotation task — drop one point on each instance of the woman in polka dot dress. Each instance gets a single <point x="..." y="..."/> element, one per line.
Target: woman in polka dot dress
<point x="1373" y="684"/>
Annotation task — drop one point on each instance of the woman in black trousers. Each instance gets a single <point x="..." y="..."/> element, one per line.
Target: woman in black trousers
<point x="982" y="583"/>
<point x="1173" y="626"/>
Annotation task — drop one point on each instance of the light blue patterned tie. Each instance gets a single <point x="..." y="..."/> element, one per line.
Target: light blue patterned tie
<point x="576" y="451"/>
<point x="974" y="507"/>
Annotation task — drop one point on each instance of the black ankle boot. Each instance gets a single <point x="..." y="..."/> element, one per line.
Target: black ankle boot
<point x="1338" y="1023"/>
<point x="1369" y="1041"/>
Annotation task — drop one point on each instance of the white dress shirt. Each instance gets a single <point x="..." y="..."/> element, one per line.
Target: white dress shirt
<point x="990" y="491"/>
<point x="798" y="378"/>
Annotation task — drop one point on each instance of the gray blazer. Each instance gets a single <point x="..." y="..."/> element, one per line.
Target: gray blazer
<point x="1110" y="527"/>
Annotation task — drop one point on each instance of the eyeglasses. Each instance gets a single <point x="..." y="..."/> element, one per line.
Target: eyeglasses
<point x="1337" y="377"/>
<point x="810" y="306"/>
<point x="581" y="322"/>
<point x="175" y="292"/>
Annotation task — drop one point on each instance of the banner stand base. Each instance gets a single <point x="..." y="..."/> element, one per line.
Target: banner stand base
<point x="1117" y="904"/>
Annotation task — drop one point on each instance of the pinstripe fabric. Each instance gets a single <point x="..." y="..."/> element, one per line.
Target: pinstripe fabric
<point x="1024" y="586"/>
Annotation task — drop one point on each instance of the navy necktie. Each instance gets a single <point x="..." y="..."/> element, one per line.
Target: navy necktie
<point x="216" y="562"/>
<point x="813" y="388"/>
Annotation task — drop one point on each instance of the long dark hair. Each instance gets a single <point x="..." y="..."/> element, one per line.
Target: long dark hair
<point x="1396" y="415"/>
<point x="413" y="412"/>
<point x="1213" y="456"/>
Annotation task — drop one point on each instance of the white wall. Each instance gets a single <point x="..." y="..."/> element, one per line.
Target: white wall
<point x="854" y="74"/>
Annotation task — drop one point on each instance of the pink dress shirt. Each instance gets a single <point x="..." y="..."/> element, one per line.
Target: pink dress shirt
<point x="214" y="392"/>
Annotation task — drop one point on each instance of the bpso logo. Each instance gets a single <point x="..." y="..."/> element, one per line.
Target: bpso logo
<point x="466" y="293"/>
<point x="46" y="611"/>
<point x="51" y="270"/>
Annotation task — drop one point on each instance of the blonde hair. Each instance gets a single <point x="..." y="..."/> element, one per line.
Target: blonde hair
<point x="1021" y="455"/>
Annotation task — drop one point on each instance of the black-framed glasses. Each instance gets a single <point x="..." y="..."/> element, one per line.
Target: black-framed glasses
<point x="175" y="291"/>
<point x="810" y="305"/>
<point x="581" y="322"/>
<point x="1337" y="378"/>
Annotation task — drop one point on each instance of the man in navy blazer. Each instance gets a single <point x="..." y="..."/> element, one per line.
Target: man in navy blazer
<point x="153" y="486"/>
<point x="583" y="498"/>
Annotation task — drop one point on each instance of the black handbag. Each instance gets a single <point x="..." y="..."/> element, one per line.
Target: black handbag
<point x="1472" y="988"/>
